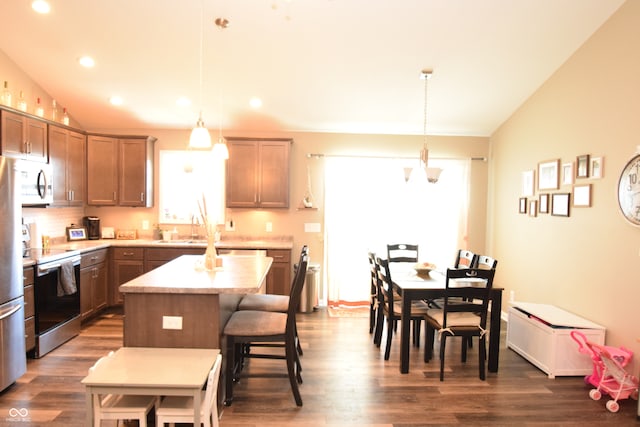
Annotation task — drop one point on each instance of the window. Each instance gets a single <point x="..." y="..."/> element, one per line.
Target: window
<point x="185" y="177"/>
<point x="368" y="203"/>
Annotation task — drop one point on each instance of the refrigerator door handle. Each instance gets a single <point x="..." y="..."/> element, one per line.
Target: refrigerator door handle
<point x="10" y="312"/>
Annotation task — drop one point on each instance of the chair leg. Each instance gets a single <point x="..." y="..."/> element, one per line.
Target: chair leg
<point x="463" y="357"/>
<point x="298" y="346"/>
<point x="372" y="317"/>
<point x="482" y="356"/>
<point x="229" y="374"/>
<point x="418" y="324"/>
<point x="291" y="354"/>
<point x="390" y="325"/>
<point x="377" y="336"/>
<point x="443" y="340"/>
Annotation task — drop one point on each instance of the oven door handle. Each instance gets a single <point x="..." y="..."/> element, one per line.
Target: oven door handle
<point x="47" y="268"/>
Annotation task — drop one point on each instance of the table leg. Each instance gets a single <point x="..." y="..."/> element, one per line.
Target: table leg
<point x="196" y="407"/>
<point x="494" y="336"/>
<point x="405" y="328"/>
<point x="89" y="406"/>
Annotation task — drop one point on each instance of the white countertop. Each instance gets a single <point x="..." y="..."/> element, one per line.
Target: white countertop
<point x="185" y="275"/>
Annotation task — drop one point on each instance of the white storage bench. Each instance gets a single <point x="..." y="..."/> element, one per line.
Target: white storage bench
<point x="541" y="334"/>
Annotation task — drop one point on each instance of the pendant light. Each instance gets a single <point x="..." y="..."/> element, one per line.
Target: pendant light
<point x="433" y="174"/>
<point x="200" y="137"/>
<point x="220" y="149"/>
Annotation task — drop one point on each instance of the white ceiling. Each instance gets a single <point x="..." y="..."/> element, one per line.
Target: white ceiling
<point x="348" y="66"/>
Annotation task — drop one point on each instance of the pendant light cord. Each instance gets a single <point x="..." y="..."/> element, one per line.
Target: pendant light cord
<point x="201" y="52"/>
<point x="424" y="129"/>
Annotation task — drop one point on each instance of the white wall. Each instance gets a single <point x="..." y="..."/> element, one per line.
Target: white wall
<point x="587" y="263"/>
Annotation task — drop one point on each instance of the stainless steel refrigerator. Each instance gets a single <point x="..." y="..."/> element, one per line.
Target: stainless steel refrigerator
<point x="13" y="360"/>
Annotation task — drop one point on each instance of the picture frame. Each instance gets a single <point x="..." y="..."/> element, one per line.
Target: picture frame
<point x="596" y="167"/>
<point x="582" y="166"/>
<point x="543" y="203"/>
<point x="567" y="173"/>
<point x="533" y="208"/>
<point x="582" y="195"/>
<point x="76" y="233"/>
<point x="548" y="175"/>
<point x="560" y="204"/>
<point x="528" y="183"/>
<point x="522" y="205"/>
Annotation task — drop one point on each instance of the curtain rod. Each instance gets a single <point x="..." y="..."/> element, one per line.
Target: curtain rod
<point x="357" y="156"/>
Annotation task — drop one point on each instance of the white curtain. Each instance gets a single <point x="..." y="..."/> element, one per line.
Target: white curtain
<point x="368" y="203"/>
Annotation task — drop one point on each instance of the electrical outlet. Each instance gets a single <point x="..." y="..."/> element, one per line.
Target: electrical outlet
<point x="145" y="224"/>
<point x="269" y="227"/>
<point x="512" y="296"/>
<point x="172" y="322"/>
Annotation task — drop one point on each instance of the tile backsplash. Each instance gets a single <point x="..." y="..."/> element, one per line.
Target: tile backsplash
<point x="53" y="221"/>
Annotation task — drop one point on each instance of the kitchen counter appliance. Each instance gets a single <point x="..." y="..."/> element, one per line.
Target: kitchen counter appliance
<point x="13" y="362"/>
<point x="92" y="224"/>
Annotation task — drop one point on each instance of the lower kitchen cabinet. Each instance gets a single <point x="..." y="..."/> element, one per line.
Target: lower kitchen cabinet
<point x="279" y="276"/>
<point x="29" y="309"/>
<point x="93" y="282"/>
<point x="127" y="264"/>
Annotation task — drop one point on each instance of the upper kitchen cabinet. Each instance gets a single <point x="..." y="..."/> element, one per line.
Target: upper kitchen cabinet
<point x="67" y="155"/>
<point x="258" y="173"/>
<point x="120" y="170"/>
<point x="24" y="137"/>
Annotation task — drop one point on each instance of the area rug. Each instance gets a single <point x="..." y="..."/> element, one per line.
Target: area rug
<point x="343" y="311"/>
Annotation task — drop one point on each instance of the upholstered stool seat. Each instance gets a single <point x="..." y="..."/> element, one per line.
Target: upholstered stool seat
<point x="264" y="302"/>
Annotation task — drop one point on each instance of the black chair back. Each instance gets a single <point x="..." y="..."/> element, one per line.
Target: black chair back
<point x="465" y="259"/>
<point x="467" y="291"/>
<point x="402" y="252"/>
<point x="486" y="263"/>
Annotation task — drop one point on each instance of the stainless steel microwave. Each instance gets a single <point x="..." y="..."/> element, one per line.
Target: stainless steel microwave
<point x="35" y="182"/>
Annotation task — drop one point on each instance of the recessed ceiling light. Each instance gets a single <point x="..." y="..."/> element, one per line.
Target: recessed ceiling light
<point x="86" y="61"/>
<point x="255" y="102"/>
<point x="183" y="102"/>
<point x="41" y="6"/>
<point x="116" y="100"/>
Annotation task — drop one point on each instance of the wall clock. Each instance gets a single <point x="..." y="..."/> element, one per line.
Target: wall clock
<point x="629" y="190"/>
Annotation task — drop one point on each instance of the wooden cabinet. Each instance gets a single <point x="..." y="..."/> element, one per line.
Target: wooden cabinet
<point x="258" y="173"/>
<point x="93" y="282"/>
<point x="29" y="309"/>
<point x="120" y="171"/>
<point x="24" y="137"/>
<point x="102" y="170"/>
<point x="127" y="264"/>
<point x="67" y="156"/>
<point x="155" y="257"/>
<point x="279" y="276"/>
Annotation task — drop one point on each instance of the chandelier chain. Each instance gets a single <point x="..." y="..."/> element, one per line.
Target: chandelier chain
<point x="424" y="129"/>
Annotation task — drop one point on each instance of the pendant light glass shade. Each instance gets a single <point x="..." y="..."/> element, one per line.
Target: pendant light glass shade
<point x="220" y="150"/>
<point x="200" y="137"/>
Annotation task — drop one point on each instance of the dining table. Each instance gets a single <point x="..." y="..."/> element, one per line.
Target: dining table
<point x="412" y="286"/>
<point x="151" y="372"/>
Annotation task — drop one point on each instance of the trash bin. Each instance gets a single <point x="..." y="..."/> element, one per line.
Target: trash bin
<point x="309" y="297"/>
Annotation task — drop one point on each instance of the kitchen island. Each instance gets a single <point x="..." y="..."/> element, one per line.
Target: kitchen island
<point x="181" y="305"/>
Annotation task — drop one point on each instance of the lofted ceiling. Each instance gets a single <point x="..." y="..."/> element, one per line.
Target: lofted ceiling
<point x="349" y="66"/>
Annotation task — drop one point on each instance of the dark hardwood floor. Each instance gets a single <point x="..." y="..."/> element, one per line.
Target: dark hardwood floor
<point x="346" y="383"/>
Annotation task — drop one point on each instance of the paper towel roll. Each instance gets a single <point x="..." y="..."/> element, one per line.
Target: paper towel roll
<point x="36" y="236"/>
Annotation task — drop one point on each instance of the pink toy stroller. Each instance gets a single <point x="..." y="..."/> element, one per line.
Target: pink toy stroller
<point x="608" y="371"/>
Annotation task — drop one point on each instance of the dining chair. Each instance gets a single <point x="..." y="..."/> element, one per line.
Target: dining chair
<point x="251" y="326"/>
<point x="465" y="259"/>
<point x="486" y="263"/>
<point x="402" y="252"/>
<point x="272" y="302"/>
<point x="121" y="407"/>
<point x="373" y="295"/>
<point x="390" y="307"/>
<point x="465" y="316"/>
<point x="179" y="409"/>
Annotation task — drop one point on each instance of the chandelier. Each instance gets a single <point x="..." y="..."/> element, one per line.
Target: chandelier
<point x="433" y="174"/>
<point x="200" y="137"/>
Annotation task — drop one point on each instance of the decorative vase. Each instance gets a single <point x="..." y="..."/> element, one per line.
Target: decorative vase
<point x="210" y="254"/>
